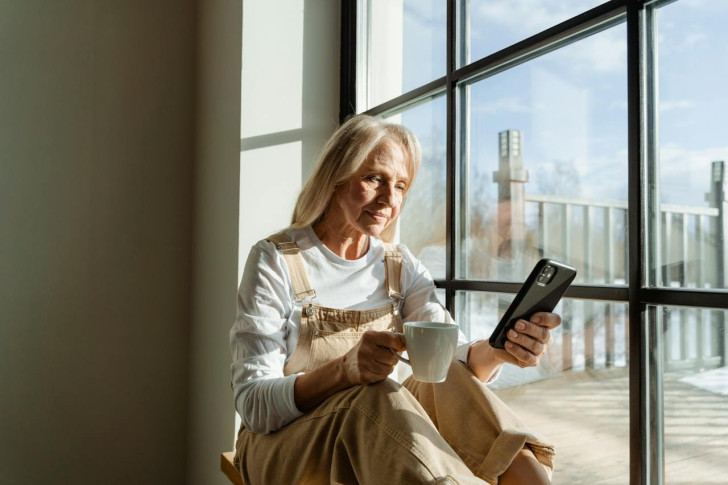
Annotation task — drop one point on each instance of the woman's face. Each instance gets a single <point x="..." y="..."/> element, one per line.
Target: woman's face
<point x="370" y="200"/>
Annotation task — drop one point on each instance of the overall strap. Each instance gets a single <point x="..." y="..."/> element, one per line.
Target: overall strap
<point x="393" y="263"/>
<point x="292" y="255"/>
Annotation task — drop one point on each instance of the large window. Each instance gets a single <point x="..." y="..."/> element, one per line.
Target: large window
<point x="592" y="133"/>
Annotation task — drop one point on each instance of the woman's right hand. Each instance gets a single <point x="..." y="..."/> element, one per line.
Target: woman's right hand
<point x="372" y="360"/>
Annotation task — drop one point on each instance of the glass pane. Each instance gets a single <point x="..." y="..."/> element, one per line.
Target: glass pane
<point x="695" y="395"/>
<point x="545" y="164"/>
<point x="579" y="393"/>
<point x="422" y="223"/>
<point x="404" y="47"/>
<point x="693" y="146"/>
<point x="441" y="296"/>
<point x="495" y="24"/>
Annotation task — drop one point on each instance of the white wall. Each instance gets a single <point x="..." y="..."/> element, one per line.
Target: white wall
<point x="96" y="156"/>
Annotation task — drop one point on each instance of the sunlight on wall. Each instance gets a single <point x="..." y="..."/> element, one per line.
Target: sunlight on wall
<point x="271" y="118"/>
<point x="272" y="78"/>
<point x="271" y="178"/>
<point x="385" y="45"/>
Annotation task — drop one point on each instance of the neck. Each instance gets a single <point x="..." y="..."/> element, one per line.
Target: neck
<point x="345" y="244"/>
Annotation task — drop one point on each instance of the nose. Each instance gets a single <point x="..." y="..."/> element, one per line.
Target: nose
<point x="389" y="195"/>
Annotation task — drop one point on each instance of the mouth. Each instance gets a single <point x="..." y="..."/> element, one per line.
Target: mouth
<point x="378" y="216"/>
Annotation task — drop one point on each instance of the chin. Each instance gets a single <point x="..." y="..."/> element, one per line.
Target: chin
<point x="374" y="231"/>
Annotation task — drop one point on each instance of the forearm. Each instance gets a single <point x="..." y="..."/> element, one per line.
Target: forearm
<point x="314" y="387"/>
<point x="483" y="360"/>
<point x="266" y="405"/>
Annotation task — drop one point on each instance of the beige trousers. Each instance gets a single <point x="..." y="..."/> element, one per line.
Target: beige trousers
<point x="459" y="432"/>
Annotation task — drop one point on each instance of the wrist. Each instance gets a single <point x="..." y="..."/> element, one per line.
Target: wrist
<point x="342" y="376"/>
<point x="312" y="388"/>
<point x="484" y="360"/>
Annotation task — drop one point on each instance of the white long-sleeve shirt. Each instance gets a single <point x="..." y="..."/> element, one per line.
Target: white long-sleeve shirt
<point x="265" y="333"/>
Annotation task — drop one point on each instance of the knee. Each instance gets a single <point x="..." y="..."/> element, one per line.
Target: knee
<point x="392" y="405"/>
<point x="379" y="390"/>
<point x="383" y="394"/>
<point x="525" y="468"/>
<point x="388" y="398"/>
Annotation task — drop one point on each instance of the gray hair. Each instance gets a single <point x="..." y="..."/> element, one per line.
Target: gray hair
<point x="342" y="156"/>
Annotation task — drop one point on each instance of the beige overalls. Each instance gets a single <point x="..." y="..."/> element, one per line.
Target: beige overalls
<point x="383" y="433"/>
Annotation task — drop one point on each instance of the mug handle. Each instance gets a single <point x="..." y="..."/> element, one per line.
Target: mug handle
<point x="401" y="359"/>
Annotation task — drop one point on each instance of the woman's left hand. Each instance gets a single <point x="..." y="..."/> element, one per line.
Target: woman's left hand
<point x="525" y="346"/>
<point x="529" y="340"/>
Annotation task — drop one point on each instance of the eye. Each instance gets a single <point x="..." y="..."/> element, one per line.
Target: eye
<point x="401" y="187"/>
<point x="373" y="178"/>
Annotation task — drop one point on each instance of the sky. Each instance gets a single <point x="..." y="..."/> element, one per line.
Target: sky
<point x="571" y="104"/>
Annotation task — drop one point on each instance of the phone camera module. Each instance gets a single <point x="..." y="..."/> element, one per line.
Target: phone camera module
<point x="545" y="276"/>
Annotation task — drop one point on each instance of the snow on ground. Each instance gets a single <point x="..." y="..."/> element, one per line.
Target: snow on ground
<point x="715" y="380"/>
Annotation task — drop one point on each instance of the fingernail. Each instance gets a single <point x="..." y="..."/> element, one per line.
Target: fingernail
<point x="513" y="334"/>
<point x="535" y="319"/>
<point x="510" y="345"/>
<point x="521" y="326"/>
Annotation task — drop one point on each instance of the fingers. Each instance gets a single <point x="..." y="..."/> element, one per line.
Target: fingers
<point x="378" y="369"/>
<point x="384" y="356"/>
<point x="528" y="341"/>
<point x="374" y="359"/>
<point x="548" y="320"/>
<point x="523" y="357"/>
<point x="531" y="344"/>
<point x="391" y="340"/>
<point x="386" y="340"/>
<point x="360" y="368"/>
<point x="370" y="372"/>
<point x="535" y="331"/>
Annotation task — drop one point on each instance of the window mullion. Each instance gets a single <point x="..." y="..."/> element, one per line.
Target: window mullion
<point x="450" y="218"/>
<point x="638" y="337"/>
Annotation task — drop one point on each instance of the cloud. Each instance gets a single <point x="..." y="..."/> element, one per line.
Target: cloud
<point x="693" y="39"/>
<point x="682" y="42"/>
<point x="685" y="174"/>
<point x="698" y="4"/>
<point x="618" y="105"/>
<point x="525" y="17"/>
<point x="510" y="104"/>
<point x="558" y="124"/>
<point x="674" y="37"/>
<point x="670" y="105"/>
<point x="604" y="52"/>
<point x="598" y="178"/>
<point x="605" y="176"/>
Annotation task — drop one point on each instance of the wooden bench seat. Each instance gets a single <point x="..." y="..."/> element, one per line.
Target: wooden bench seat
<point x="227" y="467"/>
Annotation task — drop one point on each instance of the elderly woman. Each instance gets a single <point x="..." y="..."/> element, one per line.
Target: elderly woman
<point x="312" y="344"/>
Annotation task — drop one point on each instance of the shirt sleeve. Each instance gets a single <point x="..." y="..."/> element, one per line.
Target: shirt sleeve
<point x="421" y="303"/>
<point x="263" y="396"/>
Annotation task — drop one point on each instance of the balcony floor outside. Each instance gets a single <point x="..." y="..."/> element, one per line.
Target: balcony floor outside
<point x="586" y="415"/>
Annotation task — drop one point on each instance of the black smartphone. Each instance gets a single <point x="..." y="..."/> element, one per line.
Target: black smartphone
<point x="541" y="292"/>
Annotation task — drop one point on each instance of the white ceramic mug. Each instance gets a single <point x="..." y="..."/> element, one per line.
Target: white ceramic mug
<point x="430" y="347"/>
